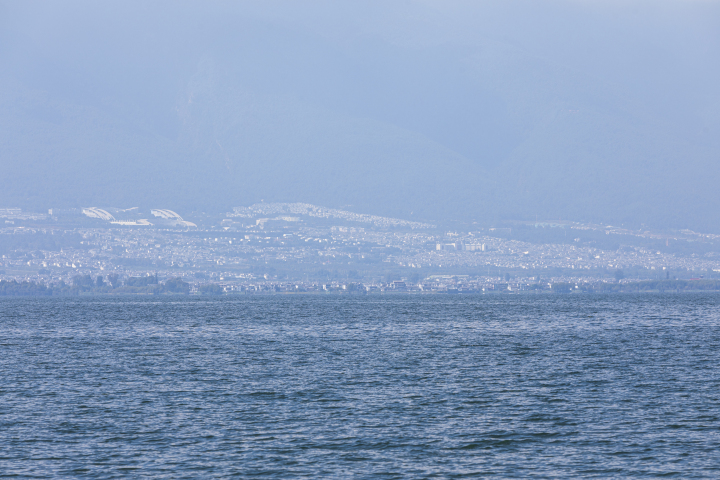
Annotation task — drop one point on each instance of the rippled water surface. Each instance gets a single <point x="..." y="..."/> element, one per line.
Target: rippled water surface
<point x="376" y="386"/>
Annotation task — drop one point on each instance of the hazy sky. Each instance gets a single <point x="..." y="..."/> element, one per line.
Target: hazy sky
<point x="480" y="79"/>
<point x="416" y="64"/>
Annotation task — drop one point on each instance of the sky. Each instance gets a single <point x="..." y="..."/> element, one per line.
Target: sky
<point x="480" y="111"/>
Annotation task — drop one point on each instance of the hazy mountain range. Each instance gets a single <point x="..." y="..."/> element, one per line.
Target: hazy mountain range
<point x="423" y="110"/>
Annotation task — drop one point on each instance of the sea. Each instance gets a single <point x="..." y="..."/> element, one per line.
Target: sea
<point x="376" y="386"/>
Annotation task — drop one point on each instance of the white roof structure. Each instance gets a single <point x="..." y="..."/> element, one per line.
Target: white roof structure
<point x="94" y="212"/>
<point x="170" y="215"/>
<point x="167" y="214"/>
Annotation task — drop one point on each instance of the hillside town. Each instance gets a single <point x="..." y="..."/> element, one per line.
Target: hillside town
<point x="304" y="248"/>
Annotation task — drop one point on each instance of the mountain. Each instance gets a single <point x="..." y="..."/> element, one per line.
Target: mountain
<point x="460" y="111"/>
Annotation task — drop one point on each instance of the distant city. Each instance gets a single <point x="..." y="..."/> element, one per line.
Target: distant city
<point x="298" y="247"/>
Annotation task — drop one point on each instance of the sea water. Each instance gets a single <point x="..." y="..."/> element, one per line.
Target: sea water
<point x="377" y="386"/>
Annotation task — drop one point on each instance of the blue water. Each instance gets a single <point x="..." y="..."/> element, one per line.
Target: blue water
<point x="377" y="386"/>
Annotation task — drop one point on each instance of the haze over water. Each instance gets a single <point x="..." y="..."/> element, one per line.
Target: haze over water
<point x="378" y="386"/>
